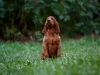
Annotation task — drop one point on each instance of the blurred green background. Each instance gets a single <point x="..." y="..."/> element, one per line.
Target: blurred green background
<point x="24" y="19"/>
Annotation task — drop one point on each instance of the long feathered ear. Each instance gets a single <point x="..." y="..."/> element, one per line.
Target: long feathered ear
<point x="45" y="28"/>
<point x="57" y="29"/>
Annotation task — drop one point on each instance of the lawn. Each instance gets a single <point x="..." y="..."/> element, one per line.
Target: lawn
<point x="79" y="57"/>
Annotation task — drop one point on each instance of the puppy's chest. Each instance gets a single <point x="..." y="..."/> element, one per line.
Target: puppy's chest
<point x="52" y="40"/>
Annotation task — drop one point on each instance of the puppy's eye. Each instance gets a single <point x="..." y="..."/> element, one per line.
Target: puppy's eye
<point x="52" y="18"/>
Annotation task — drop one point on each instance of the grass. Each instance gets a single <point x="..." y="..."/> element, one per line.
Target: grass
<point x="79" y="57"/>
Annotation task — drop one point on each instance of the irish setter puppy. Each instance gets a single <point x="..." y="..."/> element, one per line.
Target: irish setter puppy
<point x="51" y="41"/>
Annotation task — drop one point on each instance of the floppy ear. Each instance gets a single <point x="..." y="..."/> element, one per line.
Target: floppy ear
<point x="45" y="28"/>
<point x="57" y="29"/>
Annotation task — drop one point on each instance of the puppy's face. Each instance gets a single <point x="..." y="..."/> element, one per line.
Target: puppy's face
<point x="50" y="21"/>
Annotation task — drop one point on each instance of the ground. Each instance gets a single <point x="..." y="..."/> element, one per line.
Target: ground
<point x="79" y="57"/>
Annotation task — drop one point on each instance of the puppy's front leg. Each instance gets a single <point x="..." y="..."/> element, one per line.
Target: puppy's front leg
<point x="44" y="53"/>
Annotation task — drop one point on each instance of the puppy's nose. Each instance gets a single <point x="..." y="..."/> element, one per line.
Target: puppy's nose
<point x="48" y="20"/>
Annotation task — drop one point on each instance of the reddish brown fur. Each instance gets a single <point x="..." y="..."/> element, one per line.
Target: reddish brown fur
<point x="51" y="40"/>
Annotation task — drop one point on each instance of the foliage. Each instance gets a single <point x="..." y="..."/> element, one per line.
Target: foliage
<point x="79" y="57"/>
<point x="28" y="16"/>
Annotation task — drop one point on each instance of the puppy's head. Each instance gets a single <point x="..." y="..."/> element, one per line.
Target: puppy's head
<point x="51" y="23"/>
